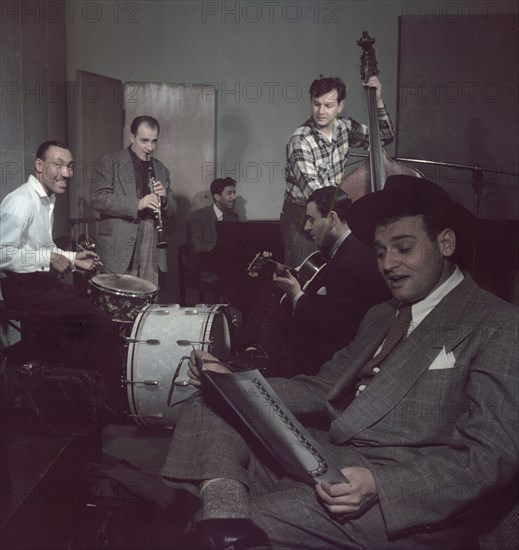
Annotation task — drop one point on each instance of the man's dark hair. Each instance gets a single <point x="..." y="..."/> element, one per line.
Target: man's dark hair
<point x="331" y="198"/>
<point x="324" y="85"/>
<point x="153" y="123"/>
<point x="219" y="184"/>
<point x="46" y="145"/>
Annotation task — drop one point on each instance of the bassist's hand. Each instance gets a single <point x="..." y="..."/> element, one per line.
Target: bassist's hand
<point x="374" y="82"/>
<point x="287" y="283"/>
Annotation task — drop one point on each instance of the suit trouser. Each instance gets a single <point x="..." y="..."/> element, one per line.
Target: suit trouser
<point x="77" y="333"/>
<point x="211" y="442"/>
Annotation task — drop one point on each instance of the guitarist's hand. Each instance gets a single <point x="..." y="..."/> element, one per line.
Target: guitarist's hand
<point x="287" y="283"/>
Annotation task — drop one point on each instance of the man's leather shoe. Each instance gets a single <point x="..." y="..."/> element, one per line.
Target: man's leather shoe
<point x="224" y="534"/>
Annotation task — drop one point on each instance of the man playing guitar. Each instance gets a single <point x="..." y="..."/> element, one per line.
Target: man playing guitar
<point x="323" y="300"/>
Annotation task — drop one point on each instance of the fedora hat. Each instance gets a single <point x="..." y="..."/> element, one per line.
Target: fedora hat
<point x="408" y="195"/>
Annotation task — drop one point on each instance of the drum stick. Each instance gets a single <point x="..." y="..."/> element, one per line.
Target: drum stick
<point x="100" y="263"/>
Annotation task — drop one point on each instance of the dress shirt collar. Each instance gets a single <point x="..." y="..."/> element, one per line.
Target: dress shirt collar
<point x="218" y="213"/>
<point x="421" y="309"/>
<point x="40" y="190"/>
<point x="335" y="246"/>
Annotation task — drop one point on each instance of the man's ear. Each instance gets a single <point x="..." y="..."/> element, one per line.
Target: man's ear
<point x="38" y="166"/>
<point x="447" y="242"/>
<point x="341" y="106"/>
<point x="333" y="218"/>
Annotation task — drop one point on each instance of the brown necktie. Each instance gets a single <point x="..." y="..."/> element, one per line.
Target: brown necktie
<point x="397" y="330"/>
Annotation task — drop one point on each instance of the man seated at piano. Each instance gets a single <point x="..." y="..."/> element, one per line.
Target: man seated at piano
<point x="298" y="325"/>
<point x="203" y="261"/>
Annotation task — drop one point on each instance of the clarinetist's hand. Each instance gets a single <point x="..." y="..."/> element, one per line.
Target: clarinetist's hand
<point x="150" y="201"/>
<point x="159" y="189"/>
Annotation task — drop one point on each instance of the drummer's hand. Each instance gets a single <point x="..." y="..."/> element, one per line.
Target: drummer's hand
<point x="202" y="359"/>
<point x="60" y="263"/>
<point x="87" y="260"/>
<point x="150" y="201"/>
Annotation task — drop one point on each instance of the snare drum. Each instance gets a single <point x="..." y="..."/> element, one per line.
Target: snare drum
<point x="121" y="296"/>
<point x="158" y="354"/>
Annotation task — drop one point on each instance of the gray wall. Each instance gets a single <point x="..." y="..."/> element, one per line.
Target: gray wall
<point x="261" y="59"/>
<point x="33" y="91"/>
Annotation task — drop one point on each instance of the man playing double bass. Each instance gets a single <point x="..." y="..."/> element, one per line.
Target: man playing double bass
<point x="317" y="154"/>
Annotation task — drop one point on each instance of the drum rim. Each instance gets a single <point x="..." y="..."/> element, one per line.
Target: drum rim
<point x="119" y="292"/>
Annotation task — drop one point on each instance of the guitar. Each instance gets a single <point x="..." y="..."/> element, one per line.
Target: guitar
<point x="305" y="273"/>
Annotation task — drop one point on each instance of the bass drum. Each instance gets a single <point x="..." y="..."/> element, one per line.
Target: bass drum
<point x="161" y="341"/>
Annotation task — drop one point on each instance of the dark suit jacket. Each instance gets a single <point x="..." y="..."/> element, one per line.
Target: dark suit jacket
<point x="343" y="291"/>
<point x="438" y="424"/>
<point x="201" y="238"/>
<point x="326" y="318"/>
<point x="114" y="195"/>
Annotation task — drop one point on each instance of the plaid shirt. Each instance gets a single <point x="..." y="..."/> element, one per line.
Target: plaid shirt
<point x="313" y="161"/>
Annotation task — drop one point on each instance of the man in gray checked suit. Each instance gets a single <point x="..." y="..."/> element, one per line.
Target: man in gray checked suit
<point x="126" y="236"/>
<point x="426" y="439"/>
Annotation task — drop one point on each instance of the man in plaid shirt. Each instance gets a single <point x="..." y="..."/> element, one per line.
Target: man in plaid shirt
<point x="317" y="154"/>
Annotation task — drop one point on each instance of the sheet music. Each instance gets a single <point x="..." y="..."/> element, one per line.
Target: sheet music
<point x="252" y="397"/>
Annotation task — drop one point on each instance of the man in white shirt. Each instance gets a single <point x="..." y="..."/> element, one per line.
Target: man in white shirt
<point x="34" y="267"/>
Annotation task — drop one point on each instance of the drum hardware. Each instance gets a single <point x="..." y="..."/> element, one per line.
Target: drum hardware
<point x="197" y="312"/>
<point x="191" y="342"/>
<point x="143" y="382"/>
<point x="150" y="341"/>
<point x="175" y="382"/>
<point x="154" y="416"/>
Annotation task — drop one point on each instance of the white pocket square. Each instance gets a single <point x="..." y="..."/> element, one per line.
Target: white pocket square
<point x="443" y="361"/>
<point x="322" y="291"/>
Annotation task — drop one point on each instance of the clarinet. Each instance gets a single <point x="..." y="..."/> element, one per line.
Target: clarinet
<point x="161" y="242"/>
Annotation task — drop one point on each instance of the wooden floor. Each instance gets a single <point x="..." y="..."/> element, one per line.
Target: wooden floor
<point x="46" y="500"/>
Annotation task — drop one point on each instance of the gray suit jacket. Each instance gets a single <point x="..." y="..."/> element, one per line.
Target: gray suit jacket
<point x="201" y="228"/>
<point x="438" y="425"/>
<point x="114" y="195"/>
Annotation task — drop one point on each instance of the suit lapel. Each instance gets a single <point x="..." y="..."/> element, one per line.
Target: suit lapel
<point x="408" y="361"/>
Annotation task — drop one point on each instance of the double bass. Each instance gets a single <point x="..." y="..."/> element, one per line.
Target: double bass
<point x="371" y="174"/>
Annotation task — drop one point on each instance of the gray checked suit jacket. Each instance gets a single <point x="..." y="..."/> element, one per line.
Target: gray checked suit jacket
<point x="114" y="195"/>
<point x="438" y="425"/>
